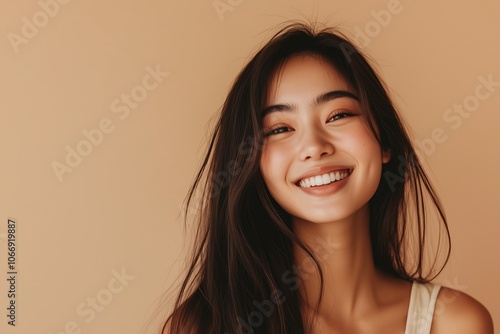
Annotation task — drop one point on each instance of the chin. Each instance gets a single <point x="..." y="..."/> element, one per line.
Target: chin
<point x="320" y="218"/>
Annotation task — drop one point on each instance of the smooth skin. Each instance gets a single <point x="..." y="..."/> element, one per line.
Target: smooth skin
<point x="306" y="134"/>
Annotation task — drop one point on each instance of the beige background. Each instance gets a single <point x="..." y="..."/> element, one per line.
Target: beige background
<point x="118" y="208"/>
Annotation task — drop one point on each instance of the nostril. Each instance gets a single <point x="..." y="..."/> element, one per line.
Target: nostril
<point x="315" y="150"/>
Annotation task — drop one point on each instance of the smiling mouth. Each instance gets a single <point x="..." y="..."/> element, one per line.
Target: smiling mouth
<point x="324" y="179"/>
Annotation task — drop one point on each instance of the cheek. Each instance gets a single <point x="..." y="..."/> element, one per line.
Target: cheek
<point x="370" y="153"/>
<point x="364" y="142"/>
<point x="273" y="165"/>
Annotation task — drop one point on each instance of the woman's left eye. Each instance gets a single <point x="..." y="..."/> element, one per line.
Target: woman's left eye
<point x="340" y="115"/>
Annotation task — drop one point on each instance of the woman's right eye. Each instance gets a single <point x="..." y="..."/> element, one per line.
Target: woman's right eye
<point x="277" y="130"/>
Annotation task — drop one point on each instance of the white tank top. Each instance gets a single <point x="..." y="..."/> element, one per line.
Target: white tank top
<point x="421" y="309"/>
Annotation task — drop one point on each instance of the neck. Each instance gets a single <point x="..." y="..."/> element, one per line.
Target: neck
<point x="343" y="250"/>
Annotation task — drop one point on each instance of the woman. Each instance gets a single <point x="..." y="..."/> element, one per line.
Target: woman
<point x="313" y="215"/>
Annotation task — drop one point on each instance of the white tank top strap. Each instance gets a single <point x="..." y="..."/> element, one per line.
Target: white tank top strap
<point x="421" y="309"/>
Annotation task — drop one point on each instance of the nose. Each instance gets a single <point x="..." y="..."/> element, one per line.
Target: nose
<point x="315" y="144"/>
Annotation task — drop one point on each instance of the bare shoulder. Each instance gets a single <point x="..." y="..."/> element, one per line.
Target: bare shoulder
<point x="457" y="312"/>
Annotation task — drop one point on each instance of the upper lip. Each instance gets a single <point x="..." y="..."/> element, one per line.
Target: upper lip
<point x="320" y="170"/>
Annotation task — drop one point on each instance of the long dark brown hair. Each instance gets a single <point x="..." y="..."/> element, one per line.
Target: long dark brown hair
<point x="241" y="278"/>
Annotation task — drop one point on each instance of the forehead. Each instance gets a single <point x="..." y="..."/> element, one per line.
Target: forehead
<point x="305" y="76"/>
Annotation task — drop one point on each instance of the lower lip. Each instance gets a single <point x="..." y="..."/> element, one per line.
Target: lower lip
<point x="327" y="189"/>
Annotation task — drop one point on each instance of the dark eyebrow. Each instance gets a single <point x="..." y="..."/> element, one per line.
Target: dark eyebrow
<point x="323" y="98"/>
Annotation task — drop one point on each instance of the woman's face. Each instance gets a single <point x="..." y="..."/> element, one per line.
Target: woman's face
<point x="320" y="160"/>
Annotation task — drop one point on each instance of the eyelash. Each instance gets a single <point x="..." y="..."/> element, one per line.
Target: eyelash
<point x="274" y="130"/>
<point x="344" y="113"/>
<point x="278" y="129"/>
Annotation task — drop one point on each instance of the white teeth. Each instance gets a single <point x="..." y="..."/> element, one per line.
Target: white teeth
<point x="323" y="179"/>
<point x="312" y="180"/>
<point x="308" y="183"/>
